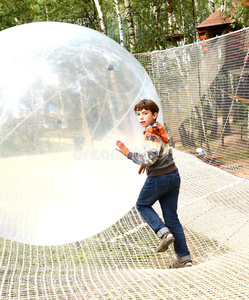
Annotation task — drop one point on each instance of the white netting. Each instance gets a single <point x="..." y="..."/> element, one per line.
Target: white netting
<point x="204" y="93"/>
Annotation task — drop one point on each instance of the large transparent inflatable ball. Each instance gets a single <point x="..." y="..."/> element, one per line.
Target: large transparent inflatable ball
<point x="67" y="93"/>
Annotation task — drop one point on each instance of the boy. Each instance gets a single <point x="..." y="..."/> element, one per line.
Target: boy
<point x="162" y="183"/>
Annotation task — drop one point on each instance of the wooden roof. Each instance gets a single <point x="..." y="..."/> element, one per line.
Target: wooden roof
<point x="217" y="18"/>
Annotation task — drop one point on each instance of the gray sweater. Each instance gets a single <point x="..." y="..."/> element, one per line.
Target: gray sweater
<point x="157" y="156"/>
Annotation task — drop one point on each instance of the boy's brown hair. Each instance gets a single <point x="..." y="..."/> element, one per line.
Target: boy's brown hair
<point x="148" y="105"/>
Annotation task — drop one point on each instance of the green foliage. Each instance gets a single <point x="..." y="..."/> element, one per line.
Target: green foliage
<point x="238" y="11"/>
<point x="156" y="22"/>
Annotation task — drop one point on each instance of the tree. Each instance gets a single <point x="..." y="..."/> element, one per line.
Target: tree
<point x="120" y="27"/>
<point x="139" y="25"/>
<point x="101" y="19"/>
<point x="211" y="4"/>
<point x="15" y="13"/>
<point x="183" y="22"/>
<point x="129" y="20"/>
<point x="158" y="26"/>
<point x="238" y="10"/>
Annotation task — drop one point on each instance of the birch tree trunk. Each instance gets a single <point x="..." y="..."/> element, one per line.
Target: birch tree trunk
<point x="171" y="17"/>
<point x="130" y="26"/>
<point x="120" y="27"/>
<point x="46" y="10"/>
<point x="194" y="17"/>
<point x="211" y="4"/>
<point x="183" y="23"/>
<point x="157" y="10"/>
<point x="100" y="14"/>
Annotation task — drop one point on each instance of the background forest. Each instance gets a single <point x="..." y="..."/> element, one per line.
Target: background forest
<point x="138" y="25"/>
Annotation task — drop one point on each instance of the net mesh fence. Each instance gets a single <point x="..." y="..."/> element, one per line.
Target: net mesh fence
<point x="204" y="93"/>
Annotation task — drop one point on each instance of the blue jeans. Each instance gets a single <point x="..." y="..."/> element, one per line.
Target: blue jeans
<point x="164" y="188"/>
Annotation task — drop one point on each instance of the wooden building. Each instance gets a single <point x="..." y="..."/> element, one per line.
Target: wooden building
<point x="216" y="24"/>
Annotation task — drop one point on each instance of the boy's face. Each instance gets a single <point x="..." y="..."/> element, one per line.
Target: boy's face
<point x="145" y="117"/>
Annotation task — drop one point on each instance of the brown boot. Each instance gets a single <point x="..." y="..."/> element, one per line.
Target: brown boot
<point x="184" y="264"/>
<point x="166" y="240"/>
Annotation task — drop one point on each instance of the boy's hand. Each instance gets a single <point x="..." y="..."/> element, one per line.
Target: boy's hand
<point x="122" y="148"/>
<point x="141" y="169"/>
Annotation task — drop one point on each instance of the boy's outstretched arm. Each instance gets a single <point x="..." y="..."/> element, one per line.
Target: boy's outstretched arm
<point x="122" y="148"/>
